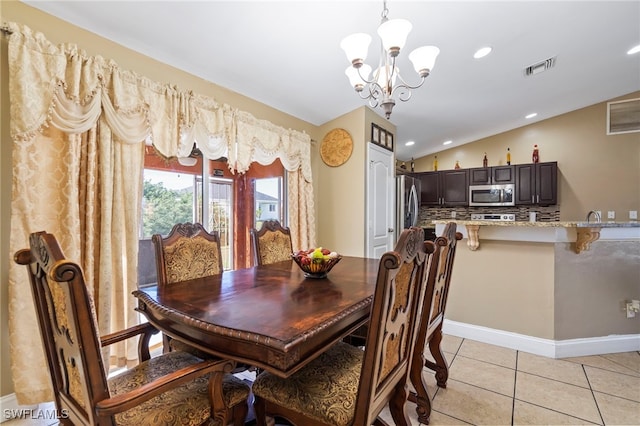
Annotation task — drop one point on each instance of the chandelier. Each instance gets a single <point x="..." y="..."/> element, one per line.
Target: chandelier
<point x="381" y="87"/>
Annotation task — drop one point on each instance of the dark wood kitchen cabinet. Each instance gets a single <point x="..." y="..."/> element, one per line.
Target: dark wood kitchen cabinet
<point x="444" y="188"/>
<point x="537" y="184"/>
<point x="492" y="175"/>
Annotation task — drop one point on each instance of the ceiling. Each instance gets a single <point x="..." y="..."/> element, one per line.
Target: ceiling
<point x="287" y="54"/>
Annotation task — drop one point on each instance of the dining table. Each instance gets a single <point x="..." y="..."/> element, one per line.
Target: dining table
<point x="273" y="317"/>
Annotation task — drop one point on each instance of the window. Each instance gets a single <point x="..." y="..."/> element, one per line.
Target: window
<point x="174" y="193"/>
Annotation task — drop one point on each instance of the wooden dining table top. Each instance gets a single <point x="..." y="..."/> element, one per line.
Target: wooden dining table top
<point x="269" y="316"/>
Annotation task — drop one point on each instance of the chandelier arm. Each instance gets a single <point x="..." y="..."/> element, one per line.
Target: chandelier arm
<point x="372" y="81"/>
<point x="405" y="88"/>
<point x="407" y="85"/>
<point x="404" y="92"/>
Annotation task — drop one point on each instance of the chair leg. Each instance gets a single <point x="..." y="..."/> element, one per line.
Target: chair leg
<point x="421" y="396"/>
<point x="441" y="366"/>
<point x="260" y="411"/>
<point x="239" y="413"/>
<point x="398" y="407"/>
<point x="166" y="344"/>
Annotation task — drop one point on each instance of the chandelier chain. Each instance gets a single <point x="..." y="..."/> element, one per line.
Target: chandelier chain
<point x="385" y="11"/>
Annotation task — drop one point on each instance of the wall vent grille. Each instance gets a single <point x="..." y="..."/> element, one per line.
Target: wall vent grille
<point x="539" y="67"/>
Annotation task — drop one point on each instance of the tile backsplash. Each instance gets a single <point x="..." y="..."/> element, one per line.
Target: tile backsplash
<point x="544" y="214"/>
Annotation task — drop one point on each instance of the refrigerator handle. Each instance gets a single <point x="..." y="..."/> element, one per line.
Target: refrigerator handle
<point x="413" y="205"/>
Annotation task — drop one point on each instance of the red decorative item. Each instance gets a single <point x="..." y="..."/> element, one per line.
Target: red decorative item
<point x="535" y="157"/>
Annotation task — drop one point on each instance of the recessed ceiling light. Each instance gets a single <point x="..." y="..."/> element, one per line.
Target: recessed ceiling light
<point x="482" y="52"/>
<point x="446" y="142"/>
<point x="409" y="143"/>
<point x="633" y="50"/>
<point x="533" y="114"/>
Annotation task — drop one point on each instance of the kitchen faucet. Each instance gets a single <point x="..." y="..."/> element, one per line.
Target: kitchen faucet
<point x="596" y="214"/>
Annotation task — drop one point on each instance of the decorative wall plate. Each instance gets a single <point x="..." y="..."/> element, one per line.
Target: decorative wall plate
<point x="336" y="147"/>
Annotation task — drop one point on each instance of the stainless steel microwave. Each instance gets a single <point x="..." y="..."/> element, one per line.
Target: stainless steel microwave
<point x="492" y="195"/>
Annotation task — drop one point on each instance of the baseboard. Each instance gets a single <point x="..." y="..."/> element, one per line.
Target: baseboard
<point x="11" y="408"/>
<point x="544" y="347"/>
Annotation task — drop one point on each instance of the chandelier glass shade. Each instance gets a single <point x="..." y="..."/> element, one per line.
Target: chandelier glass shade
<point x="386" y="82"/>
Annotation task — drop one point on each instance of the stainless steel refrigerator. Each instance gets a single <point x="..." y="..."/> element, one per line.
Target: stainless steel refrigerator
<point x="407" y="202"/>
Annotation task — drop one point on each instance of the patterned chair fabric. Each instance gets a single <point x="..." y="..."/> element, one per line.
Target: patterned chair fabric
<point x="272" y="243"/>
<point x="349" y="386"/>
<point x="73" y="348"/>
<point x="188" y="252"/>
<point x="188" y="404"/>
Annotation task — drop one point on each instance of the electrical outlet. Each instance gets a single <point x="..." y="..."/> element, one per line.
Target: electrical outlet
<point x="632" y="308"/>
<point x="633" y="214"/>
<point x="611" y="214"/>
<point x="453" y="214"/>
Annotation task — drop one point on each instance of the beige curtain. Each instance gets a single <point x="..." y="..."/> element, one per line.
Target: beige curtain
<point x="78" y="124"/>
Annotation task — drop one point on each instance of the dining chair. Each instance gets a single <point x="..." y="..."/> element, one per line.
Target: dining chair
<point x="189" y="251"/>
<point x="430" y="329"/>
<point x="173" y="388"/>
<point x="272" y="243"/>
<point x="346" y="385"/>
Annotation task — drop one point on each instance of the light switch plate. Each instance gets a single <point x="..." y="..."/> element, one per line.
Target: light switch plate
<point x="633" y="214"/>
<point x="611" y="214"/>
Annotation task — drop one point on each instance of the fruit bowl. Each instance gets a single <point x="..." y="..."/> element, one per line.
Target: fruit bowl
<point x="314" y="263"/>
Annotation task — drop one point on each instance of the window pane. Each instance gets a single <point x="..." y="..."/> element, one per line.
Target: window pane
<point x="268" y="200"/>
<point x="168" y="198"/>
<point x="220" y="215"/>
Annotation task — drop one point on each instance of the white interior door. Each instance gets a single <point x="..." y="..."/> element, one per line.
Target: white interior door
<point x="381" y="196"/>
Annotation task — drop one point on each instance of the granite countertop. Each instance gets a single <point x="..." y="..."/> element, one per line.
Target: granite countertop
<point x="527" y="224"/>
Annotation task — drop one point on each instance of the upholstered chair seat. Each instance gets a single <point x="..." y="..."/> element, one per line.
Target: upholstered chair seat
<point x="186" y="405"/>
<point x="330" y="384"/>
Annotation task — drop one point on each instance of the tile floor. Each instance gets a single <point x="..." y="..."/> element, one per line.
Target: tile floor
<point x="492" y="385"/>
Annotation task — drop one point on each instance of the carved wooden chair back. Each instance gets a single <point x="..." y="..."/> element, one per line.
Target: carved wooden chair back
<point x="187" y="252"/>
<point x="68" y="328"/>
<point x="82" y="393"/>
<point x="272" y="243"/>
<point x="430" y="331"/>
<point x="393" y="325"/>
<point x="346" y="386"/>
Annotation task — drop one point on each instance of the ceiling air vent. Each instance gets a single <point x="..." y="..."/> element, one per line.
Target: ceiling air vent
<point x="539" y="67"/>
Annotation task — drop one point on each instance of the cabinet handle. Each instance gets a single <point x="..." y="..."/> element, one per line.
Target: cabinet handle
<point x="533" y="199"/>
<point x="538" y="198"/>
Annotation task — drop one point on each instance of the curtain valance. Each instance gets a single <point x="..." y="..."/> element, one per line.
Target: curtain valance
<point x="137" y="109"/>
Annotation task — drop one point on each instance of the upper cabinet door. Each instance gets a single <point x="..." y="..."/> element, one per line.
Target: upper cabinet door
<point x="455" y="187"/>
<point x="503" y="174"/>
<point x="492" y="175"/>
<point x="537" y="184"/>
<point x="429" y="191"/>
<point x="547" y="183"/>
<point x="480" y="176"/>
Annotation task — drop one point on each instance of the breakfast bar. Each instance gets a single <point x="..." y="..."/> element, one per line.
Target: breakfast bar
<point x="582" y="234"/>
<point x="553" y="288"/>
